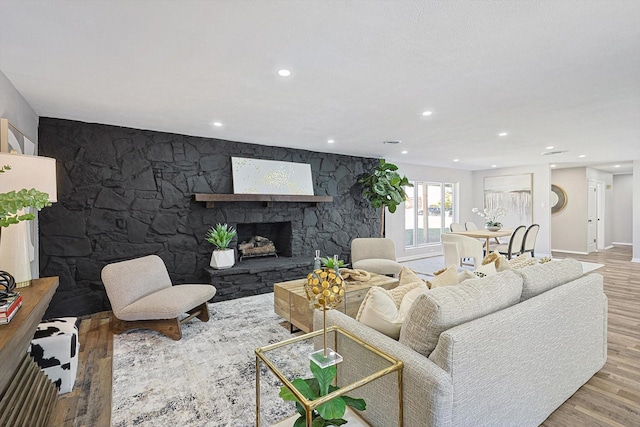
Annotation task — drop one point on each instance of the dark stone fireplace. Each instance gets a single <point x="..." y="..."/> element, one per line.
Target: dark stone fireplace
<point x="280" y="233"/>
<point x="125" y="193"/>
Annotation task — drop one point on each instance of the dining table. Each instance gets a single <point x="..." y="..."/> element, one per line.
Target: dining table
<point x="485" y="234"/>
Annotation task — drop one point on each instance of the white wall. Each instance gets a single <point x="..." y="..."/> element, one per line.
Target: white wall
<point x="636" y="210"/>
<point x="14" y="107"/>
<point x="394" y="223"/>
<point x="622" y="209"/>
<point x="541" y="198"/>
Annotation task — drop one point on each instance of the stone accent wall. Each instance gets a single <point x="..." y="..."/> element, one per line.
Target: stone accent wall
<point x="125" y="193"/>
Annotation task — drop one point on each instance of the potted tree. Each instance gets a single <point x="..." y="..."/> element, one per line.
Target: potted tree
<point x="220" y="236"/>
<point x="383" y="186"/>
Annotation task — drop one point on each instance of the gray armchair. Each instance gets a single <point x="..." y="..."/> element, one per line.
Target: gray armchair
<point x="142" y="296"/>
<point x="375" y="255"/>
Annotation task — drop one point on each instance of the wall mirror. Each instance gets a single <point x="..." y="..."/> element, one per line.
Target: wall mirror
<point x="558" y="199"/>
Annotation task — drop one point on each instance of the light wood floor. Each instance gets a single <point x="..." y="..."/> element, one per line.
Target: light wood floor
<point x="610" y="398"/>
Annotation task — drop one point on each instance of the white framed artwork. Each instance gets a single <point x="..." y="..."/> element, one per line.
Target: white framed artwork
<point x="257" y="176"/>
<point x="515" y="194"/>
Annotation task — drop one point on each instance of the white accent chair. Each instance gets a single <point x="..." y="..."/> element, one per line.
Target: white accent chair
<point x="142" y="296"/>
<point x="375" y="255"/>
<point x="514" y="247"/>
<point x="457" y="247"/>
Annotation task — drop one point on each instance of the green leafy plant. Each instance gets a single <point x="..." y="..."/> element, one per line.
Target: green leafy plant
<point x="327" y="414"/>
<point x="384" y="187"/>
<point x="220" y="236"/>
<point x="14" y="201"/>
<point x="330" y="263"/>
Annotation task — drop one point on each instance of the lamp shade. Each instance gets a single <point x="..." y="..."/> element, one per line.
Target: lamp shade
<point x="29" y="172"/>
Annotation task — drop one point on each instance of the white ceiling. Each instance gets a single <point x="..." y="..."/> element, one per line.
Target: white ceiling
<point x="550" y="73"/>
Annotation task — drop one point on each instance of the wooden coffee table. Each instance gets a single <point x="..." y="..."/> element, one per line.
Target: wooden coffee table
<point x="290" y="301"/>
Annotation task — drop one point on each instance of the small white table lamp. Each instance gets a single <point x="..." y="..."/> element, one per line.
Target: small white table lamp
<point x="16" y="250"/>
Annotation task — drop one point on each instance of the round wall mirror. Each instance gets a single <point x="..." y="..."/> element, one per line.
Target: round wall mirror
<point x="558" y="199"/>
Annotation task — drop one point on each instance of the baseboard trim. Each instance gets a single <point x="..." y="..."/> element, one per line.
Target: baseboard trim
<point x="419" y="256"/>
<point x="622" y="243"/>
<point x="569" y="252"/>
<point x="635" y="259"/>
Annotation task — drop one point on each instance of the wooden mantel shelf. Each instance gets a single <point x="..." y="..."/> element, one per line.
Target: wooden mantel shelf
<point x="267" y="199"/>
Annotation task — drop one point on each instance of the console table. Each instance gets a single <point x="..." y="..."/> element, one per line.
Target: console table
<point x="27" y="396"/>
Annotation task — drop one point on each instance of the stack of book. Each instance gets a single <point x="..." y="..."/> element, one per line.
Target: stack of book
<point x="9" y="307"/>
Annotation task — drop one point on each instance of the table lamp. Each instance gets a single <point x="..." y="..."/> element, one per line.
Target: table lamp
<point x="27" y="172"/>
<point x="325" y="290"/>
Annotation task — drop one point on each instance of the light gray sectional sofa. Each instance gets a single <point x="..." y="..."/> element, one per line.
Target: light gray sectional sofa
<point x="513" y="365"/>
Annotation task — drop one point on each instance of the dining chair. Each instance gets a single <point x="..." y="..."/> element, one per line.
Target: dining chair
<point x="529" y="240"/>
<point x="514" y="247"/>
<point x="456" y="226"/>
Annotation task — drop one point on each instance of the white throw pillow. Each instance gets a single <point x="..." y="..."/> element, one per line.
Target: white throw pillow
<point x="379" y="310"/>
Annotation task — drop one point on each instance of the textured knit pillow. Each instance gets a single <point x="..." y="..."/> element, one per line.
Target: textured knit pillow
<point x="446" y="307"/>
<point x="523" y="260"/>
<point x="380" y="311"/>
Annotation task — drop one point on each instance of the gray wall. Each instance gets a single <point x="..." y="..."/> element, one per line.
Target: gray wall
<point x="622" y="210"/>
<point x="14" y="107"/>
<point x="125" y="193"/>
<point x="567" y="233"/>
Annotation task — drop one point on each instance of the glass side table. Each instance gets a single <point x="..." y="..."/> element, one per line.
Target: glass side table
<point x="272" y="357"/>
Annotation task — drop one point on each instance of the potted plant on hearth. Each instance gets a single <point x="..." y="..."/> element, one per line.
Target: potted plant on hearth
<point x="220" y="236"/>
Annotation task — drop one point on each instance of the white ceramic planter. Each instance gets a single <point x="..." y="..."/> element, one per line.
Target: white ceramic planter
<point x="222" y="259"/>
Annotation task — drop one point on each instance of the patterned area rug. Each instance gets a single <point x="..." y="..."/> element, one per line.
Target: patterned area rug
<point x="208" y="377"/>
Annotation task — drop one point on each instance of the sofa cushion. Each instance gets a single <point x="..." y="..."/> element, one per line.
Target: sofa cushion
<point x="378" y="265"/>
<point x="446" y="307"/>
<point x="407" y="276"/>
<point x="501" y="262"/>
<point x="385" y="310"/>
<point x="539" y="278"/>
<point x="448" y="277"/>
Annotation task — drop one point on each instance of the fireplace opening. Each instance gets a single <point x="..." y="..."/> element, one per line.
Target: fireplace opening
<point x="254" y="235"/>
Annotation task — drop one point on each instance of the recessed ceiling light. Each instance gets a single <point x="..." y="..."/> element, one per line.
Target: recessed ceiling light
<point x="217" y="124"/>
<point x="550" y="147"/>
<point x="404" y="151"/>
<point x="494" y="166"/>
<point x="456" y="160"/>
<point x="616" y="166"/>
<point x="503" y="134"/>
<point x="427" y="113"/>
<point x="553" y="165"/>
<point x="582" y="156"/>
<point x="330" y="141"/>
<point x="284" y="73"/>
